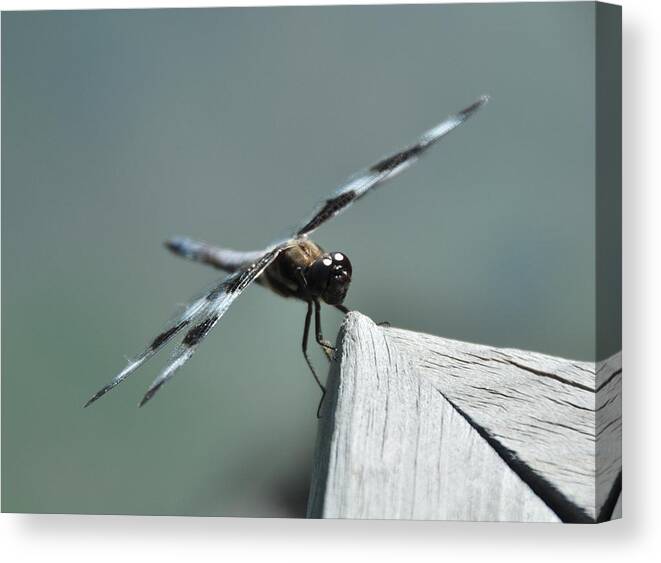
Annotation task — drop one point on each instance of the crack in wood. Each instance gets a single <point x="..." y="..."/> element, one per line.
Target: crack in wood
<point x="550" y="376"/>
<point x="610" y="378"/>
<point x="566" y="510"/>
<point x="544" y="434"/>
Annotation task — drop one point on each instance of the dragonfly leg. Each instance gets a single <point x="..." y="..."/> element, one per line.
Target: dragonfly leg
<point x="306" y="332"/>
<point x="327" y="347"/>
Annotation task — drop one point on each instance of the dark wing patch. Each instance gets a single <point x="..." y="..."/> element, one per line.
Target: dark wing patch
<point x="166" y="335"/>
<point x="198" y="332"/>
<point x="383" y="170"/>
<point x="466" y="112"/>
<point x="395" y="160"/>
<point x="240" y="280"/>
<point x="330" y="208"/>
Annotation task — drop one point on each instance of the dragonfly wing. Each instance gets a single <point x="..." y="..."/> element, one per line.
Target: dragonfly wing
<point x="358" y="185"/>
<point x="199" y="316"/>
<point x="187" y="315"/>
<point x="219" y="300"/>
<point x="221" y="258"/>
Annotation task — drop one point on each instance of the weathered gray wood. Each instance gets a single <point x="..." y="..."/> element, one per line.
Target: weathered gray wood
<point x="608" y="433"/>
<point x="417" y="426"/>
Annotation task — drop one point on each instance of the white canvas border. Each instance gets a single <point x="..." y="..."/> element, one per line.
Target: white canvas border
<point x="126" y="538"/>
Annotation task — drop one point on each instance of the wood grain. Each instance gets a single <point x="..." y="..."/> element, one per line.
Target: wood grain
<point x="417" y="426"/>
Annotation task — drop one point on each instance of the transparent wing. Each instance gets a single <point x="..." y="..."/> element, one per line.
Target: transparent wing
<point x="200" y="316"/>
<point x="186" y="316"/>
<point x="359" y="184"/>
<point x="221" y="258"/>
<point x="219" y="300"/>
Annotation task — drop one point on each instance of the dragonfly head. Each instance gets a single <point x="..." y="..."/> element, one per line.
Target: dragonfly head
<point x="329" y="277"/>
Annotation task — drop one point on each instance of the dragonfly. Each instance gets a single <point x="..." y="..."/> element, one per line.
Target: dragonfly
<point x="294" y="267"/>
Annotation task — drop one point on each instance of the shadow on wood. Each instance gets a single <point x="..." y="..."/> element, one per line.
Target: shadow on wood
<point x="421" y="427"/>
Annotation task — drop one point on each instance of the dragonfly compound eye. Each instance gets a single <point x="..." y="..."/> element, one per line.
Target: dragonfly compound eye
<point x="329" y="277"/>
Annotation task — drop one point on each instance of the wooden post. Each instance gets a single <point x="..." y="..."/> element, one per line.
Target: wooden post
<point x="421" y="427"/>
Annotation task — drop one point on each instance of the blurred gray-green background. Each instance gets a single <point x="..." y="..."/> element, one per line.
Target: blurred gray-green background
<point x="121" y="128"/>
